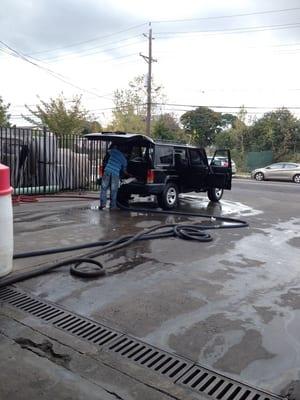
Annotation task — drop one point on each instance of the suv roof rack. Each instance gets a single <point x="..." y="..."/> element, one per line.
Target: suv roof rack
<point x="115" y="132"/>
<point x="180" y="142"/>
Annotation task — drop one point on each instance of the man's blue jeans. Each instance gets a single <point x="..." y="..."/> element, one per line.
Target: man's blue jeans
<point x="109" y="181"/>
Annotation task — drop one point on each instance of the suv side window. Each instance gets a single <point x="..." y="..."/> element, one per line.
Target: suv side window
<point x="138" y="153"/>
<point x="164" y="155"/>
<point x="181" y="152"/>
<point x="196" y="157"/>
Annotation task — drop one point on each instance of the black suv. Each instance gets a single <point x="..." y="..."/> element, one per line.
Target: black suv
<point x="166" y="169"/>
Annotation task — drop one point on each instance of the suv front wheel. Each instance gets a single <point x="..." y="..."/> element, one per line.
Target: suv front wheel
<point x="168" y="199"/>
<point x="214" y="194"/>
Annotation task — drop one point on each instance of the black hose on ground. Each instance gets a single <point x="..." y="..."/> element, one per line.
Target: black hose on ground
<point x="96" y="269"/>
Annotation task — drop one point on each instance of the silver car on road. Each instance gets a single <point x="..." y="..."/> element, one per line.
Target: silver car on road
<point x="283" y="171"/>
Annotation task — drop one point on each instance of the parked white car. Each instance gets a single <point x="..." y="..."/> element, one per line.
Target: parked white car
<point x="223" y="162"/>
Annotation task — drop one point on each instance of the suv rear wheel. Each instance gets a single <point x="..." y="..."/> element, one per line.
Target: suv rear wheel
<point x="214" y="194"/>
<point x="168" y="199"/>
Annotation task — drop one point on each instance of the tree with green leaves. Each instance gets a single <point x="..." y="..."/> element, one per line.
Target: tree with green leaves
<point x="91" y="127"/>
<point x="203" y="124"/>
<point x="166" y="127"/>
<point x="234" y="137"/>
<point x="277" y="131"/>
<point x="4" y="115"/>
<point x="129" y="114"/>
<point x="60" y="116"/>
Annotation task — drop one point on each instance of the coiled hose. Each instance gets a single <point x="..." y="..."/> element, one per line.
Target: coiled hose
<point x="78" y="267"/>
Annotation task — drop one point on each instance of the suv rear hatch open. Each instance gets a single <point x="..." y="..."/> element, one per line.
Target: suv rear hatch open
<point x="139" y="149"/>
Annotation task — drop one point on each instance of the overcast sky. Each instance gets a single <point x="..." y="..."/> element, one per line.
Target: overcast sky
<point x="209" y="52"/>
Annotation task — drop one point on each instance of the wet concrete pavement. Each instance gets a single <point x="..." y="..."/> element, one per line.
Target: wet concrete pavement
<point x="232" y="304"/>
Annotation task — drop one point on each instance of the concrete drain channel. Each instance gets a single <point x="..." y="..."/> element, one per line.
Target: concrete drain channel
<point x="179" y="370"/>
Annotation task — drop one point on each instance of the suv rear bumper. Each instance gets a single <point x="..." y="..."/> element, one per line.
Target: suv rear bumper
<point x="143" y="189"/>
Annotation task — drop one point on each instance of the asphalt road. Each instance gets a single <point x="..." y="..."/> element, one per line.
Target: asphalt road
<point x="278" y="197"/>
<point x="232" y="304"/>
<point x="266" y="186"/>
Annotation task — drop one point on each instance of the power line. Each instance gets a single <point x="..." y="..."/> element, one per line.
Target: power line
<point x="14" y="53"/>
<point x="17" y="54"/>
<point x="66" y="101"/>
<point x="100" y="47"/>
<point x="25" y="58"/>
<point x="252" y="89"/>
<point x="226" y="16"/>
<point x="79" y="54"/>
<point x="225" y="107"/>
<point x="97" y="110"/>
<point x="261" y="28"/>
<point x="174" y="110"/>
<point x="237" y="47"/>
<point x="140" y="25"/>
<point x="56" y="73"/>
<point x="118" y="58"/>
<point x="87" y="41"/>
<point x="173" y="105"/>
<point x="169" y="110"/>
<point x="162" y="21"/>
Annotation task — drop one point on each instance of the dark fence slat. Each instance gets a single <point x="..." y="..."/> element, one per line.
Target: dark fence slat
<point x="41" y="162"/>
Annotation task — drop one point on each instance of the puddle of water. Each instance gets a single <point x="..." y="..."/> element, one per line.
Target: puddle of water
<point x="224" y="207"/>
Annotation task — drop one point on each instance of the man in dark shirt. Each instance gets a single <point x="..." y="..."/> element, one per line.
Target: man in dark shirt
<point x="116" y="164"/>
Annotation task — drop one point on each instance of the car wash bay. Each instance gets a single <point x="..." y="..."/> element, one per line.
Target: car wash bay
<point x="231" y="305"/>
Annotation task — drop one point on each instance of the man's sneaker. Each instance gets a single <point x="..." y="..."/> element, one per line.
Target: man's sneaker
<point x="101" y="207"/>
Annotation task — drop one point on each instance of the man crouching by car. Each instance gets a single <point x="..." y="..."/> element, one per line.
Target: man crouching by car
<point x="116" y="165"/>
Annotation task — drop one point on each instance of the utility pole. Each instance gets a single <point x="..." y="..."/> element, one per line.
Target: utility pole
<point x="149" y="60"/>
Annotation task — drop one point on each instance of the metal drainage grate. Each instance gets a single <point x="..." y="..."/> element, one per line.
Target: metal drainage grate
<point x="83" y="328"/>
<point x="219" y="387"/>
<point x="150" y="357"/>
<point x="179" y="370"/>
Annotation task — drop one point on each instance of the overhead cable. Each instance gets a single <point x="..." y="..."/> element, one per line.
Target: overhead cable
<point x="88" y="41"/>
<point x="261" y="28"/>
<point x="60" y="77"/>
<point x="227" y="16"/>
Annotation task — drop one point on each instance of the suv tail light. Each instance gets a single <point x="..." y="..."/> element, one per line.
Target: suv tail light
<point x="101" y="171"/>
<point x="150" y="176"/>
